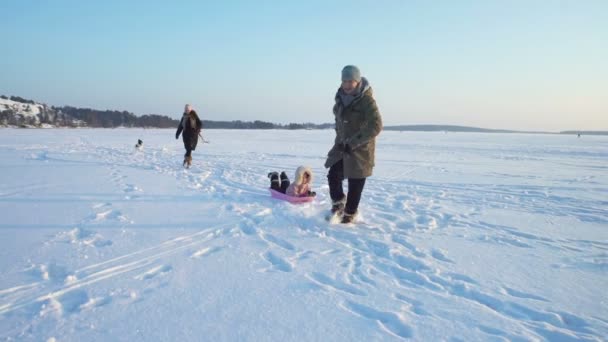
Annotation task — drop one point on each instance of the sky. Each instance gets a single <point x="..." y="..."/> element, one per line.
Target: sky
<point x="526" y="65"/>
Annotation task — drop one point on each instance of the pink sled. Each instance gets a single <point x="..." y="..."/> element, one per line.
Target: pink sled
<point x="290" y="199"/>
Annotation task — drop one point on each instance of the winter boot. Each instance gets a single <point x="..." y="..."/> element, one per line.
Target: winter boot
<point x="349" y="218"/>
<point x="337" y="210"/>
<point x="284" y="182"/>
<point x="337" y="207"/>
<point x="187" y="161"/>
<point x="274" y="181"/>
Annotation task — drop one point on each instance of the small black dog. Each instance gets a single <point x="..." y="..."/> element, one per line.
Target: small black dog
<point x="139" y="144"/>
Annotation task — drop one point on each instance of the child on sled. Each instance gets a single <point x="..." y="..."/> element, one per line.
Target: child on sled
<point x="301" y="186"/>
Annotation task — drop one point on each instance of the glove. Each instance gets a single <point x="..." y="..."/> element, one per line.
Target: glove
<point x="176" y="136"/>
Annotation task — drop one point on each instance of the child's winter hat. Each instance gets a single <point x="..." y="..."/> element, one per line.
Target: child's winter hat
<point x="351" y="73"/>
<point x="300" y="171"/>
<point x="188" y="108"/>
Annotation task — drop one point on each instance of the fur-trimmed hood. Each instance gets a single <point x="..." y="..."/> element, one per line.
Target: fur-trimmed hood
<point x="299" y="176"/>
<point x="298" y="188"/>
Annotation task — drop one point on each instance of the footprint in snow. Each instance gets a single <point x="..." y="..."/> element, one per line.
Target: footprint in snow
<point x="204" y="251"/>
<point x="154" y="272"/>
<point x="391" y="322"/>
<point x="278" y="262"/>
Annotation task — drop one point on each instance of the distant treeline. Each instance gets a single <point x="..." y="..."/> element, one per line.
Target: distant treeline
<point x="585" y="132"/>
<point x="112" y="118"/>
<point x="68" y="116"/>
<point x="443" y="128"/>
<point x="17" y="99"/>
<point x="257" y="124"/>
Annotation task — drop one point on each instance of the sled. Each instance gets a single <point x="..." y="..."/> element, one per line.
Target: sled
<point x="290" y="199"/>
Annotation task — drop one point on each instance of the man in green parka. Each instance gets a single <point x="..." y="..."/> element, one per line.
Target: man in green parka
<point x="358" y="122"/>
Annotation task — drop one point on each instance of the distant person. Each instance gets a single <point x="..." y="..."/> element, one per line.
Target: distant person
<point x="191" y="126"/>
<point x="358" y="122"/>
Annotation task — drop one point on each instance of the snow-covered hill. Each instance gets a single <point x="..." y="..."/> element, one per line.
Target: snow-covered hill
<point x="19" y="112"/>
<point x="20" y="108"/>
<point x="463" y="237"/>
<point x="27" y="112"/>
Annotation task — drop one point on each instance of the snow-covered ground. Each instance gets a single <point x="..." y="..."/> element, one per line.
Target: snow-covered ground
<point x="463" y="237"/>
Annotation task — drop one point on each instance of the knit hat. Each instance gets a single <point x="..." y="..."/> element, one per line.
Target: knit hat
<point x="351" y="73"/>
<point x="188" y="108"/>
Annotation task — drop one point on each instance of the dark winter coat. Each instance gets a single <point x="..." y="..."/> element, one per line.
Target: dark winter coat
<point x="191" y="126"/>
<point x="357" y="125"/>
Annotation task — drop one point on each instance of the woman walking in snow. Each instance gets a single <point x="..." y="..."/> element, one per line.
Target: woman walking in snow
<point x="191" y="126"/>
<point x="358" y="122"/>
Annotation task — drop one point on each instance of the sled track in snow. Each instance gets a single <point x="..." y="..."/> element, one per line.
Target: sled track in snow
<point x="21" y="296"/>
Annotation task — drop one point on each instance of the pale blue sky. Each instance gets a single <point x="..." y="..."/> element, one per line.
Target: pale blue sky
<point x="498" y="64"/>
